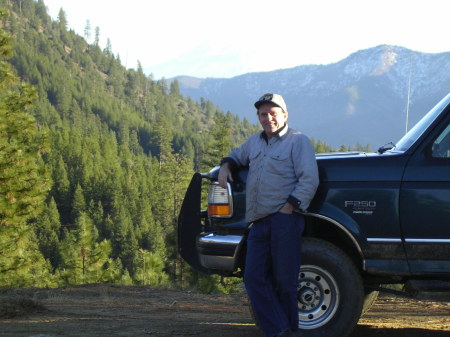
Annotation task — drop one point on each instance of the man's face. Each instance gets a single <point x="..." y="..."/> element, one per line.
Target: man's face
<point x="272" y="118"/>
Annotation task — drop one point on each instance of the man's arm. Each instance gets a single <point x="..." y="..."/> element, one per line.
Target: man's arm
<point x="237" y="158"/>
<point x="224" y="174"/>
<point x="305" y="166"/>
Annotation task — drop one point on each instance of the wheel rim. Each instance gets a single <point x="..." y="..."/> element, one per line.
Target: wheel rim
<point x="317" y="295"/>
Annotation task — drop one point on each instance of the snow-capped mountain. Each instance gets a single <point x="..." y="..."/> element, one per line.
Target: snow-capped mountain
<point x="360" y="99"/>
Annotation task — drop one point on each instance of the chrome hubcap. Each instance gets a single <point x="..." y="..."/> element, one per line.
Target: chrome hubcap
<point x="317" y="295"/>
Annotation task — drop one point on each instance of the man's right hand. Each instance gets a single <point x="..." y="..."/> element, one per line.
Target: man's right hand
<point x="224" y="175"/>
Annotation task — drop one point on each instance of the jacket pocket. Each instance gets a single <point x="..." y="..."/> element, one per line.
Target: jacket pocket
<point x="280" y="156"/>
<point x="254" y="157"/>
<point x="280" y="164"/>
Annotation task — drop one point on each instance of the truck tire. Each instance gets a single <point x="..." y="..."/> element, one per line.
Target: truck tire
<point x="330" y="291"/>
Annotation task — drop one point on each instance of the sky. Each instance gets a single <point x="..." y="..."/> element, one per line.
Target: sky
<point x="210" y="38"/>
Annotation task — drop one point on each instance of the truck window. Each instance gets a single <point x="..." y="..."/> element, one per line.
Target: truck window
<point x="441" y="145"/>
<point x="418" y="129"/>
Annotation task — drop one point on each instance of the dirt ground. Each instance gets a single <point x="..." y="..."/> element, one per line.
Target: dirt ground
<point x="108" y="310"/>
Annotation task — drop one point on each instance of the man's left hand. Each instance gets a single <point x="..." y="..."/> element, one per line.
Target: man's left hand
<point x="287" y="208"/>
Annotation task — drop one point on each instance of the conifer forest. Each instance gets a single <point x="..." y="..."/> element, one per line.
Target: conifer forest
<point x="95" y="159"/>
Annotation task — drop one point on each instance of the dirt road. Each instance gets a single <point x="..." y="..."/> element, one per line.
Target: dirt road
<point x="106" y="310"/>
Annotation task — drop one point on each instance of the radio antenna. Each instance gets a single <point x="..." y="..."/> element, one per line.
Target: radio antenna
<point x="409" y="93"/>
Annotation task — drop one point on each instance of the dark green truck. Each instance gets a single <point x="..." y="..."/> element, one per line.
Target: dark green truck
<point x="376" y="219"/>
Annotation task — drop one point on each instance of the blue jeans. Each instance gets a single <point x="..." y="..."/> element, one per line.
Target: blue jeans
<point x="271" y="271"/>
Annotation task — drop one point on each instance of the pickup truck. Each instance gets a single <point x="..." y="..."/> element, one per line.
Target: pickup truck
<point x="377" y="219"/>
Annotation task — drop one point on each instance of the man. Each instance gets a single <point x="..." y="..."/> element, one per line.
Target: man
<point x="282" y="178"/>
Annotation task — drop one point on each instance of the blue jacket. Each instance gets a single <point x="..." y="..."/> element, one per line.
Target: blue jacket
<point x="281" y="169"/>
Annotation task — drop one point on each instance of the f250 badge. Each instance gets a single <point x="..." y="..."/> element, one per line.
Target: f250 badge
<point x="361" y="206"/>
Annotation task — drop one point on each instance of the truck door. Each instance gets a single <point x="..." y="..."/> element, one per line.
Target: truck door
<point x="425" y="205"/>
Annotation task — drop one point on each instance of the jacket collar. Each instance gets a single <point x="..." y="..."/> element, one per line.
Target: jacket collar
<point x="280" y="133"/>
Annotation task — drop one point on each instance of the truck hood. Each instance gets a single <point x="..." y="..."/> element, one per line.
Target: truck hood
<point x="361" y="166"/>
<point x="350" y="166"/>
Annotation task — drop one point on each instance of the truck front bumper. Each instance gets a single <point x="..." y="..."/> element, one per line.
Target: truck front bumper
<point x="220" y="252"/>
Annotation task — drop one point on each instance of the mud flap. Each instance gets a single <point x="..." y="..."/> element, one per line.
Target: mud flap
<point x="189" y="224"/>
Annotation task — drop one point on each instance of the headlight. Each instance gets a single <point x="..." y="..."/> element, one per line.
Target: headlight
<point x="220" y="201"/>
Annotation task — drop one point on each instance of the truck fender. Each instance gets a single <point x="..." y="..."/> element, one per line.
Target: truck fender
<point x="343" y="223"/>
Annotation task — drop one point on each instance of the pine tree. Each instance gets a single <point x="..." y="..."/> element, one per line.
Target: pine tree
<point x="162" y="138"/>
<point x="62" y="25"/>
<point x="221" y="143"/>
<point x="84" y="259"/>
<point x="61" y="187"/>
<point x="108" y="48"/>
<point x="21" y="262"/>
<point x="23" y="178"/>
<point x="48" y="232"/>
<point x="78" y="203"/>
<point x="175" y="88"/>
<point x="150" y="269"/>
<point x="343" y="148"/>
<point x="97" y="36"/>
<point x="87" y="30"/>
<point x="177" y="171"/>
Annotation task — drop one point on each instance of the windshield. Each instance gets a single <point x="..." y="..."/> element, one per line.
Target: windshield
<point x="408" y="139"/>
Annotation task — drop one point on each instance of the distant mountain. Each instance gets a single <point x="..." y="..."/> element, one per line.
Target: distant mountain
<point x="199" y="61"/>
<point x="360" y="99"/>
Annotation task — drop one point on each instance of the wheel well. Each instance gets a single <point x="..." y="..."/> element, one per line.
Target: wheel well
<point x="326" y="230"/>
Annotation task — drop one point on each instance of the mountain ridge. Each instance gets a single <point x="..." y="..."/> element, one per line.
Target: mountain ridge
<point x="367" y="93"/>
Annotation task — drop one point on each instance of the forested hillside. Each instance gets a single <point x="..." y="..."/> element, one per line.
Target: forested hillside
<point x="94" y="158"/>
